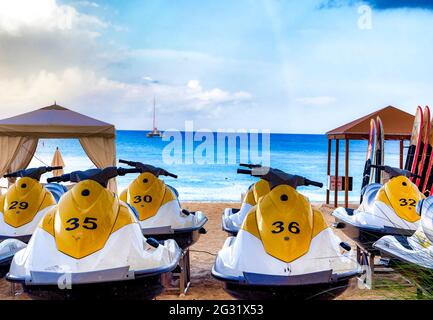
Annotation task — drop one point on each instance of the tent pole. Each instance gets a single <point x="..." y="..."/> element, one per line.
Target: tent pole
<point x="337" y="147"/>
<point x="346" y="175"/>
<point x="401" y="153"/>
<point x="328" y="169"/>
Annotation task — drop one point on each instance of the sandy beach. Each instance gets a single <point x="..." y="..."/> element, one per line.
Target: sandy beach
<point x="204" y="287"/>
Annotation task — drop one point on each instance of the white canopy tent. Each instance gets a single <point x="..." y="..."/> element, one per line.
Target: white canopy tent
<point x="19" y="137"/>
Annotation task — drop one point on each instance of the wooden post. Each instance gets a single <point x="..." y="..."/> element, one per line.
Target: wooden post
<point x="346" y="175"/>
<point x="337" y="147"/>
<point x="328" y="170"/>
<point x="401" y="153"/>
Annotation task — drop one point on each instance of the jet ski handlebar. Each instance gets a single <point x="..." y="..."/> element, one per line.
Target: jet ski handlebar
<point x="34" y="173"/>
<point x="102" y="176"/>
<point x="148" y="168"/>
<point x="249" y="165"/>
<point x="395" y="172"/>
<point x="276" y="177"/>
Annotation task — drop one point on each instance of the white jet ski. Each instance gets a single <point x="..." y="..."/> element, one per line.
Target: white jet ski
<point x="284" y="248"/>
<point x="388" y="209"/>
<point x="413" y="255"/>
<point x="233" y="218"/>
<point x="21" y="209"/>
<point x="90" y="245"/>
<point x="157" y="207"/>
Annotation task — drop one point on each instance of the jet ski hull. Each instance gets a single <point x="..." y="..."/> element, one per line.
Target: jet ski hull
<point x="364" y="236"/>
<point x="5" y="263"/>
<point x="319" y="285"/>
<point x="409" y="258"/>
<point x="12" y="246"/>
<point x="118" y="283"/>
<point x="230" y="229"/>
<point x="138" y="289"/>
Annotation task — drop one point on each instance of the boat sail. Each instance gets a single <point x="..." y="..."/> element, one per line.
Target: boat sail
<point x="155" y="132"/>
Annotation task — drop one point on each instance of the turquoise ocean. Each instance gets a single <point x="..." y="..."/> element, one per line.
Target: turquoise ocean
<point x="300" y="154"/>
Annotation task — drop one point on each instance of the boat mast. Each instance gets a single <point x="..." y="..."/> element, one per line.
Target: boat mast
<point x="154" y="112"/>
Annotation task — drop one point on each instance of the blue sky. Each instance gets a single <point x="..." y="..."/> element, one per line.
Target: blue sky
<point x="289" y="66"/>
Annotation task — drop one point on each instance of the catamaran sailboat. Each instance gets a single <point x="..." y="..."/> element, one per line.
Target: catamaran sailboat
<point x="155" y="132"/>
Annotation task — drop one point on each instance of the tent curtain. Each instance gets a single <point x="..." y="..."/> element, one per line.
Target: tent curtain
<point x="102" y="152"/>
<point x="10" y="147"/>
<point x="17" y="152"/>
<point x="23" y="156"/>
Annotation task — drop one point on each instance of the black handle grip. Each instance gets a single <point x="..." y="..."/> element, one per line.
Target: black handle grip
<point x="129" y="163"/>
<point x="244" y="171"/>
<point x="251" y="166"/>
<point x="63" y="178"/>
<point x="55" y="168"/>
<point x="123" y="171"/>
<point x="313" y="183"/>
<point x="169" y="174"/>
<point x="10" y="175"/>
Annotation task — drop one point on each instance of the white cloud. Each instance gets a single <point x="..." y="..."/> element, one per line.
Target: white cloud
<point x="19" y="16"/>
<point x="85" y="89"/>
<point x="52" y="52"/>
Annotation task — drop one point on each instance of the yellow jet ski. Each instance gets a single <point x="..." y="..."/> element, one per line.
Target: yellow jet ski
<point x="90" y="245"/>
<point x="232" y="218"/>
<point x="284" y="248"/>
<point x="157" y="207"/>
<point x="21" y="208"/>
<point x="388" y="209"/>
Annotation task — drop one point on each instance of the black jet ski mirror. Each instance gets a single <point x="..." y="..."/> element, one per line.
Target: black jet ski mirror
<point x="276" y="177"/>
<point x="149" y="168"/>
<point x="102" y="176"/>
<point x="395" y="172"/>
<point x="34" y="173"/>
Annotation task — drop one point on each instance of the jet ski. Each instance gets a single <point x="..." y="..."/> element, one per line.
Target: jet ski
<point x="90" y="245"/>
<point x="413" y="255"/>
<point x="21" y="208"/>
<point x="388" y="209"/>
<point x="232" y="218"/>
<point x="157" y="207"/>
<point x="284" y="248"/>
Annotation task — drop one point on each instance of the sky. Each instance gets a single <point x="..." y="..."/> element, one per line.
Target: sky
<point x="288" y="66"/>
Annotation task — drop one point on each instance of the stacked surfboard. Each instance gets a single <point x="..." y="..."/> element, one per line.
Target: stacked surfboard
<point x="419" y="159"/>
<point x="375" y="153"/>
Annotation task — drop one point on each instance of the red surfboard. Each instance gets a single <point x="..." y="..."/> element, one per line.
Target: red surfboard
<point x="426" y="149"/>
<point x="415" y="142"/>
<point x="366" y="177"/>
<point x="380" y="152"/>
<point x="428" y="179"/>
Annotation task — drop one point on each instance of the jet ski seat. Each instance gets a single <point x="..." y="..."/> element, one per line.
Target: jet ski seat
<point x="57" y="190"/>
<point x="174" y="190"/>
<point x="369" y="193"/>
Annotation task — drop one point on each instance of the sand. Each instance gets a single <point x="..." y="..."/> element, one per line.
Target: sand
<point x="203" y="286"/>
